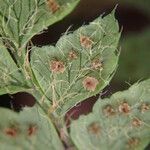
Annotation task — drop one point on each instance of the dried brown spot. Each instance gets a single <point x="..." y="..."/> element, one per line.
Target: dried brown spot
<point x="72" y="55"/>
<point x="53" y="5"/>
<point x="144" y="107"/>
<point x="109" y="111"/>
<point x="90" y="83"/>
<point x="86" y="42"/>
<point x="133" y="142"/>
<point x="124" y="108"/>
<point x="94" y="128"/>
<point x="11" y="131"/>
<point x="136" y="122"/>
<point x="32" y="129"/>
<point x="96" y="64"/>
<point x="57" y="66"/>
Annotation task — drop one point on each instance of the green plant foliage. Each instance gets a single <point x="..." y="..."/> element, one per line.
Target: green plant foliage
<point x="11" y="79"/>
<point x="134" y="58"/>
<point x="120" y="122"/>
<point x="80" y="65"/>
<point x="20" y="20"/>
<point x="27" y="130"/>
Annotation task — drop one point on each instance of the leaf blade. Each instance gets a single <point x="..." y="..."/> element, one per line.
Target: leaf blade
<point x="11" y="79"/>
<point x="22" y="19"/>
<point x="88" y="52"/>
<point x="111" y="126"/>
<point x="28" y="130"/>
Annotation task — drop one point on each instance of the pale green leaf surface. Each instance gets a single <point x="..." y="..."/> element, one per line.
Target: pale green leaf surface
<point x="116" y="128"/>
<point x="64" y="90"/>
<point x="11" y="79"/>
<point x="30" y="131"/>
<point x="20" y="20"/>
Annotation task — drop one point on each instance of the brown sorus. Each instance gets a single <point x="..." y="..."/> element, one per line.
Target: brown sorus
<point x="96" y="64"/>
<point x="72" y="55"/>
<point x="94" y="128"/>
<point x="144" y="107"/>
<point x="108" y="110"/>
<point x="53" y="5"/>
<point x="57" y="66"/>
<point x="86" y="42"/>
<point x="90" y="83"/>
<point x="133" y="142"/>
<point x="136" y="122"/>
<point x="32" y="129"/>
<point x="124" y="108"/>
<point x="11" y="131"/>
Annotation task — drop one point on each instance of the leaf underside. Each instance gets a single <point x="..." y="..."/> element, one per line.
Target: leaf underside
<point x="11" y="79"/>
<point x="20" y="20"/>
<point x="28" y="130"/>
<point x="94" y="42"/>
<point x="119" y="122"/>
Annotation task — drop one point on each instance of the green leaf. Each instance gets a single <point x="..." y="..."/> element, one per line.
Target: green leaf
<point x="80" y="65"/>
<point x="20" y="20"/>
<point x="27" y="130"/>
<point x="11" y="78"/>
<point x="120" y="122"/>
<point x="134" y="57"/>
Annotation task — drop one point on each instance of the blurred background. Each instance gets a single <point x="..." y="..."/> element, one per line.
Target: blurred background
<point x="134" y="63"/>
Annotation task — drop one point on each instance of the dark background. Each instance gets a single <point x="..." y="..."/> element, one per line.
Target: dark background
<point x="134" y="61"/>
